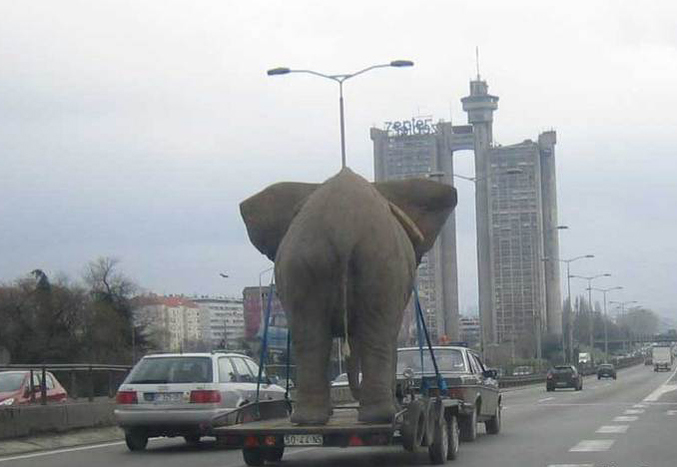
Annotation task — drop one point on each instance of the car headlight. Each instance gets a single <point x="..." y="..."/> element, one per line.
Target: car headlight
<point x="9" y="401"/>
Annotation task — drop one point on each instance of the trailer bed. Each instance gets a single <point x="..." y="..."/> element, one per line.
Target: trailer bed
<point x="342" y="421"/>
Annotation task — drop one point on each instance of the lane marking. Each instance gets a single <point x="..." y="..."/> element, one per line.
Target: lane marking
<point x="639" y="406"/>
<point x="546" y="399"/>
<point x="60" y="451"/>
<point x="571" y="465"/>
<point x="624" y="418"/>
<point x="671" y="412"/>
<point x="633" y="411"/>
<point x="593" y="445"/>
<point x="662" y="389"/>
<point x="613" y="429"/>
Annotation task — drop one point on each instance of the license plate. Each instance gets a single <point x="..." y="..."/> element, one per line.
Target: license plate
<point x="160" y="397"/>
<point x="562" y="384"/>
<point x="303" y="440"/>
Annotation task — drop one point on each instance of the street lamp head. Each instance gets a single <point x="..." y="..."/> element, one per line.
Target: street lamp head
<point x="562" y="227"/>
<point x="401" y="63"/>
<point x="278" y="71"/>
<point x="225" y="276"/>
<point x="589" y="256"/>
<point x="606" y="275"/>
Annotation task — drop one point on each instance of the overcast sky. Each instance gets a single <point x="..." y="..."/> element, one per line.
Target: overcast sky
<point x="133" y="129"/>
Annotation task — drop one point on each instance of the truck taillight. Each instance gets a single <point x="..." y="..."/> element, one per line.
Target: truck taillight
<point x="205" y="396"/>
<point x="126" y="397"/>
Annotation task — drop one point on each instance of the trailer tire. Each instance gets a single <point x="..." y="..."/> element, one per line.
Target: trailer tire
<point x="273" y="454"/>
<point x="454" y="440"/>
<point x="413" y="426"/>
<point x="253" y="456"/>
<point x="433" y="413"/>
<point x="469" y="426"/>
<point x="438" y="449"/>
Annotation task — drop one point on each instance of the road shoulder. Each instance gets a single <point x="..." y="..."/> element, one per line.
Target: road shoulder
<point x="47" y="442"/>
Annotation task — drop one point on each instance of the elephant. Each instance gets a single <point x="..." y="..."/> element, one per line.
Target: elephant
<point x="346" y="253"/>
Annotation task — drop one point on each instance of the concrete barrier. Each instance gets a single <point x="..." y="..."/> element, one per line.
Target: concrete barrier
<point x="29" y="420"/>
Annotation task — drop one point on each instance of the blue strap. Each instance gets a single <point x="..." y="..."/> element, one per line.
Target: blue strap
<point x="420" y="324"/>
<point x="264" y="338"/>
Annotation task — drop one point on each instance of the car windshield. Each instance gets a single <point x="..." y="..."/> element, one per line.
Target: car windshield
<point x="10" y="382"/>
<point x="562" y="369"/>
<point x="164" y="370"/>
<point x="447" y="360"/>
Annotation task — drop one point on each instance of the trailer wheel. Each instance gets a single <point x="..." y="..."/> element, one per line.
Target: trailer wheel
<point x="438" y="450"/>
<point x="273" y="454"/>
<point x="433" y="413"/>
<point x="253" y="456"/>
<point x="469" y="426"/>
<point x="454" y="441"/>
<point x="413" y="426"/>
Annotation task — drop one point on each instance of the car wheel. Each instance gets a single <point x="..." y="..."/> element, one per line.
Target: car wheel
<point x="136" y="440"/>
<point x="193" y="440"/>
<point x="454" y="439"/>
<point x="599" y="377"/>
<point x="614" y="377"/>
<point x="439" y="447"/>
<point x="469" y="426"/>
<point x="493" y="425"/>
<point x="253" y="456"/>
<point x="273" y="454"/>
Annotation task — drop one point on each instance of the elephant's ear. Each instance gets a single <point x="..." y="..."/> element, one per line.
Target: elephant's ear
<point x="268" y="214"/>
<point x="425" y="203"/>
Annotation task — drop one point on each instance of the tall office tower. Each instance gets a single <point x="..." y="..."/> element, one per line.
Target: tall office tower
<point x="420" y="148"/>
<point x="516" y="216"/>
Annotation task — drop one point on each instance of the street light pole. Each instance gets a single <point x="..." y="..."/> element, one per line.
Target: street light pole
<point x="225" y="320"/>
<point x="606" y="335"/>
<point x="569" y="321"/>
<point x="592" y="322"/>
<point x="340" y="78"/>
<point x="622" y="306"/>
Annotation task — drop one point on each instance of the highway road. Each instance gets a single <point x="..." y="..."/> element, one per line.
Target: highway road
<point x="630" y="422"/>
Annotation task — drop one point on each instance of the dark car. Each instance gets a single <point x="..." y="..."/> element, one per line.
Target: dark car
<point x="606" y="370"/>
<point x="466" y="378"/>
<point x="563" y="376"/>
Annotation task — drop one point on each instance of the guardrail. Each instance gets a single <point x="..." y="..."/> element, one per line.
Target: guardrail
<point x="96" y="376"/>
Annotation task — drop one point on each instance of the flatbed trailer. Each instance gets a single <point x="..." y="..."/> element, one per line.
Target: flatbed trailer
<point x="264" y="430"/>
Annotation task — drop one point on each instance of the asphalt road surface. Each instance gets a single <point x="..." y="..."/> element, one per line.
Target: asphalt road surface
<point x="630" y="422"/>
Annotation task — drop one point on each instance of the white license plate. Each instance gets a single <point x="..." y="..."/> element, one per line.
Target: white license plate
<point x="303" y="440"/>
<point x="167" y="397"/>
<point x="563" y="384"/>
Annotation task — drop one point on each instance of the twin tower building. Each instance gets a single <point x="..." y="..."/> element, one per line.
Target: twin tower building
<point x="516" y="219"/>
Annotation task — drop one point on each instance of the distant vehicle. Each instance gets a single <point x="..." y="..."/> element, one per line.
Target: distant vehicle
<point x="648" y="360"/>
<point x="15" y="388"/>
<point x="523" y="371"/>
<point x="606" y="370"/>
<point x="662" y="358"/>
<point x="584" y="358"/>
<point x="467" y="380"/>
<point x="563" y="376"/>
<point x="179" y="394"/>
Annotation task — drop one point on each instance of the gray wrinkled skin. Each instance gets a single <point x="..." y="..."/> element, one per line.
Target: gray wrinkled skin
<point x="340" y="251"/>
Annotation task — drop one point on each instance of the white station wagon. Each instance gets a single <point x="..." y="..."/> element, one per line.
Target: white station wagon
<point x="179" y="394"/>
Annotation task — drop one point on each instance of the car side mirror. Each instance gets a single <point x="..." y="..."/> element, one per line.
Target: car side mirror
<point x="493" y="374"/>
<point x="27" y="392"/>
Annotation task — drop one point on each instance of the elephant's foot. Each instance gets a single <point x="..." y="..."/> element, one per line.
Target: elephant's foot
<point x="382" y="412"/>
<point x="311" y="414"/>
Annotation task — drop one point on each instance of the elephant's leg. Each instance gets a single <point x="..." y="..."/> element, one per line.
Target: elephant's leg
<point x="312" y="341"/>
<point x="376" y="357"/>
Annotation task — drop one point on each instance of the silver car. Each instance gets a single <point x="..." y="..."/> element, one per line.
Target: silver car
<point x="179" y="394"/>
